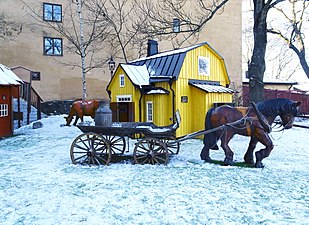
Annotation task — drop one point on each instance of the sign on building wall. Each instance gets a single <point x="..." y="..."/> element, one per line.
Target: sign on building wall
<point x="184" y="99"/>
<point x="35" y="75"/>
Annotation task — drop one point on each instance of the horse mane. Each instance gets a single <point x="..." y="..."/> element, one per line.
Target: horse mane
<point x="276" y="106"/>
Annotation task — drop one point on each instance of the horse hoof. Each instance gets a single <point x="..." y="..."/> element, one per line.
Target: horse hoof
<point x="208" y="160"/>
<point x="228" y="162"/>
<point x="249" y="162"/>
<point x="259" y="165"/>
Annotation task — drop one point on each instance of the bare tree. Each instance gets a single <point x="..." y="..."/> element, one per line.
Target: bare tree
<point x="119" y="15"/>
<point x="256" y="66"/>
<point x="293" y="32"/>
<point x="281" y="62"/>
<point x="8" y="28"/>
<point x="167" y="19"/>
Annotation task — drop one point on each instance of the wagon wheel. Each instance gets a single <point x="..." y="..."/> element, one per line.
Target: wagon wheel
<point x="150" y="150"/>
<point x="90" y="148"/>
<point x="117" y="144"/>
<point x="173" y="148"/>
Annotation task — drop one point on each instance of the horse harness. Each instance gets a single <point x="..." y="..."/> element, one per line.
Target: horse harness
<point x="247" y="120"/>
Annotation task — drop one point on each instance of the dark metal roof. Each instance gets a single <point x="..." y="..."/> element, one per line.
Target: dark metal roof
<point x="166" y="65"/>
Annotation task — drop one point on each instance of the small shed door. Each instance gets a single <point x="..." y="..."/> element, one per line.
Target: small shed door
<point x="122" y="111"/>
<point x="6" y="127"/>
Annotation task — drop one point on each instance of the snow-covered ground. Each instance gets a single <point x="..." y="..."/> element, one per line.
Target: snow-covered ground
<point x="40" y="185"/>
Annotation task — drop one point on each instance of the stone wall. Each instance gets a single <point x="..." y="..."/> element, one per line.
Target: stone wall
<point x="56" y="107"/>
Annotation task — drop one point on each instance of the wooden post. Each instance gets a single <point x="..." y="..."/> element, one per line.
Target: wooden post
<point x="18" y="106"/>
<point x="29" y="101"/>
<point x="38" y="107"/>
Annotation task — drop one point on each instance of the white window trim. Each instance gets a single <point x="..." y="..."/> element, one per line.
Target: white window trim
<point x="124" y="98"/>
<point x="148" y="119"/>
<point x="204" y="65"/>
<point x="121" y="78"/>
<point x="4" y="110"/>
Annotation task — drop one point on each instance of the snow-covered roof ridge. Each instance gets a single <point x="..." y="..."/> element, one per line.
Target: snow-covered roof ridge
<point x="170" y="52"/>
<point x="139" y="75"/>
<point x="8" y="77"/>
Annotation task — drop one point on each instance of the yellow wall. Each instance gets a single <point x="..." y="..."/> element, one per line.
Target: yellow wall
<point x="199" y="102"/>
<point x="162" y="106"/>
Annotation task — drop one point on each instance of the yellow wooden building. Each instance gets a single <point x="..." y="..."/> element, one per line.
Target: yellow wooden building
<point x="151" y="89"/>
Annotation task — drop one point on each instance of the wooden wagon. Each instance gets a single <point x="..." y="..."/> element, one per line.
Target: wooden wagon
<point x="100" y="145"/>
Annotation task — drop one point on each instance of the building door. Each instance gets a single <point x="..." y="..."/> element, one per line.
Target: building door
<point x="123" y="109"/>
<point x="6" y="124"/>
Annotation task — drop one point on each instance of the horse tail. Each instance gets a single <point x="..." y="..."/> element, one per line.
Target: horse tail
<point x="210" y="139"/>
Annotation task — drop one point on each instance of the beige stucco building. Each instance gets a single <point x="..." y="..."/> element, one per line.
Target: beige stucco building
<point x="26" y="53"/>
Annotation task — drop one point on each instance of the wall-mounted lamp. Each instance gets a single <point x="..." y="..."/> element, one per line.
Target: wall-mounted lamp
<point x="111" y="64"/>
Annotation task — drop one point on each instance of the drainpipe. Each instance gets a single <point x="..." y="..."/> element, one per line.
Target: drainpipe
<point x="140" y="106"/>
<point x="173" y="99"/>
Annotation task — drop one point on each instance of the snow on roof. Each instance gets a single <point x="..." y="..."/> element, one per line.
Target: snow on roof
<point x="7" y="77"/>
<point x="139" y="75"/>
<point x="176" y="51"/>
<point x="213" y="88"/>
<point x="210" y="86"/>
<point x="157" y="91"/>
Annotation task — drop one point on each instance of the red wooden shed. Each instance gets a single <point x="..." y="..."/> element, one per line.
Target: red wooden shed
<point x="9" y="89"/>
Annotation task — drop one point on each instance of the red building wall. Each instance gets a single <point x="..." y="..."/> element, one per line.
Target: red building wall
<point x="6" y="117"/>
<point x="292" y="95"/>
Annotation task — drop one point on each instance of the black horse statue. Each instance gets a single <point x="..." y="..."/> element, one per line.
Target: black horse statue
<point x="260" y="117"/>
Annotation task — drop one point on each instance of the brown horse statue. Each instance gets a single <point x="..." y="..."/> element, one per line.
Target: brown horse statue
<point x="81" y="108"/>
<point x="257" y="129"/>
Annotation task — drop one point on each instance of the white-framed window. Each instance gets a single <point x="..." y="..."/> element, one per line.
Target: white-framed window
<point x="149" y="111"/>
<point x="203" y="66"/>
<point x="124" y="98"/>
<point x="4" y="110"/>
<point x="121" y="80"/>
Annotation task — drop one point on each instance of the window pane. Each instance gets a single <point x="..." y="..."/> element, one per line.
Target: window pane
<point x="48" y="46"/>
<point x="57" y="13"/>
<point x="176" y="25"/>
<point x="149" y="111"/>
<point x="57" y="47"/>
<point x="4" y="110"/>
<point x="48" y="12"/>
<point x="121" y="80"/>
<point x="203" y="66"/>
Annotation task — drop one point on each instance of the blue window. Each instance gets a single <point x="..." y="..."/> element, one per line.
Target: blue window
<point x="52" y="12"/>
<point x="53" y="46"/>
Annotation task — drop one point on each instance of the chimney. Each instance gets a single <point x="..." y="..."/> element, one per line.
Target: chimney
<point x="152" y="47"/>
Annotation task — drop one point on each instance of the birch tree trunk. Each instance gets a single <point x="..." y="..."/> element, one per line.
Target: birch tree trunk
<point x="82" y="49"/>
